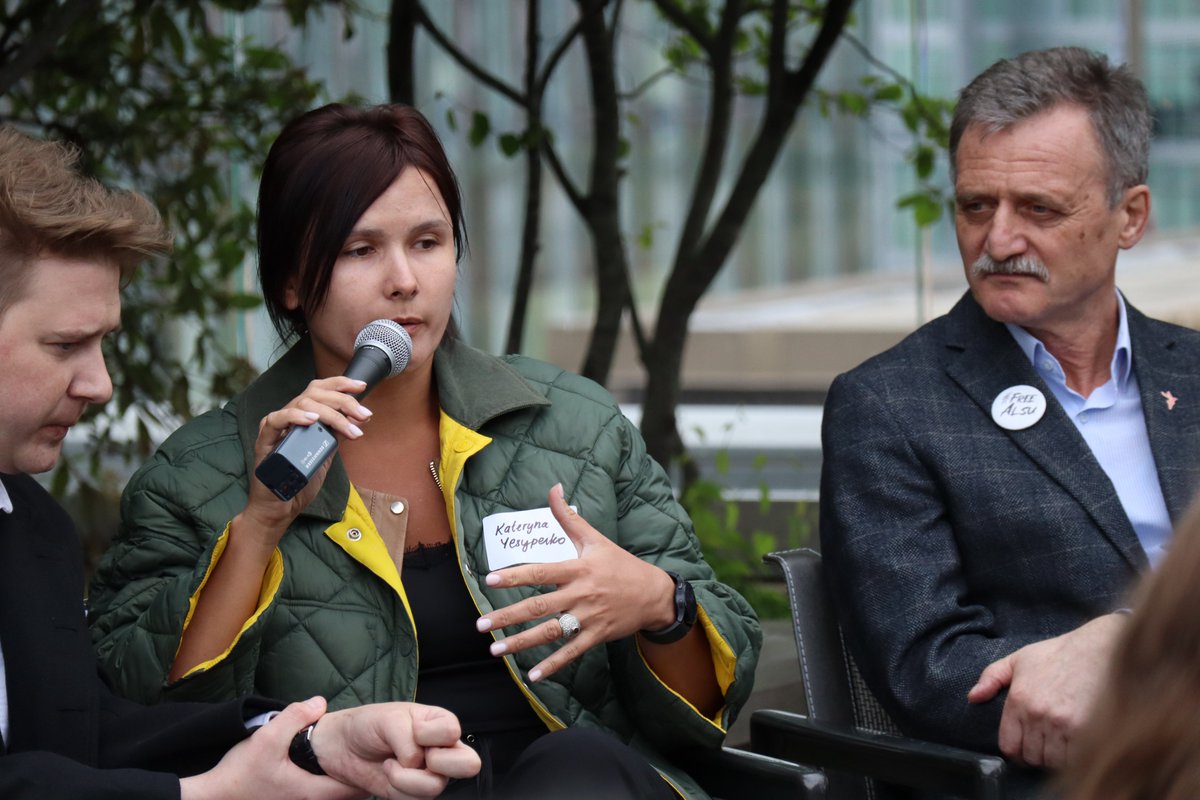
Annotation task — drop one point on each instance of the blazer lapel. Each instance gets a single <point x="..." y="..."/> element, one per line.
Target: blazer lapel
<point x="1170" y="388"/>
<point x="984" y="359"/>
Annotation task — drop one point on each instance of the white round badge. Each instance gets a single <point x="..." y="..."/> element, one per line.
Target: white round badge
<point x="1018" y="407"/>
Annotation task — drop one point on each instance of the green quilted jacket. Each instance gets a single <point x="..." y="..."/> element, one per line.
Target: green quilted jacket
<point x="333" y="618"/>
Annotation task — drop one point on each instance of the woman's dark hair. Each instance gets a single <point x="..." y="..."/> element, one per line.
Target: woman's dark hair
<point x="323" y="172"/>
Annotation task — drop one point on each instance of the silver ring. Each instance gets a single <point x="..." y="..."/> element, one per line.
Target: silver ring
<point x="570" y="626"/>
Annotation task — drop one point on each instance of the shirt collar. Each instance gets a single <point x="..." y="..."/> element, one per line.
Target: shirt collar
<point x="5" y="501"/>
<point x="1122" y="358"/>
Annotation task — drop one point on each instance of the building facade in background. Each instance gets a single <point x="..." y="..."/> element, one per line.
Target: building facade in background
<point x="827" y="213"/>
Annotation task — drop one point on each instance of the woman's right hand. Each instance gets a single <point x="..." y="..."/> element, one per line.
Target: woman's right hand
<point x="328" y="400"/>
<point x="232" y="589"/>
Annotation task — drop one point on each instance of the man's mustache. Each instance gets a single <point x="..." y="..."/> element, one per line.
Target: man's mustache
<point x="1017" y="265"/>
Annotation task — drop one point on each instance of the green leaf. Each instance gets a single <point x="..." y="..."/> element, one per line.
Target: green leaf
<point x="751" y="85"/>
<point x="924" y="161"/>
<point x="889" y="93"/>
<point x="451" y="119"/>
<point x="853" y="103"/>
<point x="243" y="302"/>
<point x="481" y="126"/>
<point x="732" y="515"/>
<point x="925" y="208"/>
<point x="510" y="144"/>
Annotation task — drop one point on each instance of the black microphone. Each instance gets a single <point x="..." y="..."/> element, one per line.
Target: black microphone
<point x="381" y="350"/>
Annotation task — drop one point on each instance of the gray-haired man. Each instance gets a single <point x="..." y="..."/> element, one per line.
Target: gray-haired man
<point x="994" y="483"/>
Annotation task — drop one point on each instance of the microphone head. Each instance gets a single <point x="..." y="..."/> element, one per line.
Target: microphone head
<point x="391" y="338"/>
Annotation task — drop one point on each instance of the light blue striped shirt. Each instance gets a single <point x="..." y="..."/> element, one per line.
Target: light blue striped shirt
<point x="1114" y="427"/>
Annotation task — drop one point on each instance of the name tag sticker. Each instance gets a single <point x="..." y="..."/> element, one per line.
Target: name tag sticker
<point x="526" y="537"/>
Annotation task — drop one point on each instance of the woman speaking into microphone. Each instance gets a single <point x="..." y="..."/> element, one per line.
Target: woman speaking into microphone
<point x="490" y="537"/>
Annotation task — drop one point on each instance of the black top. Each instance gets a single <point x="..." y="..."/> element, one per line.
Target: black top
<point x="457" y="671"/>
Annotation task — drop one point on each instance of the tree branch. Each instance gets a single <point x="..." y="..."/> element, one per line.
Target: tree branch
<point x="635" y="322"/>
<point x="783" y="103"/>
<point x="466" y="62"/>
<point x="866" y="53"/>
<point x="402" y="34"/>
<point x="681" y="19"/>
<point x="533" y="186"/>
<point x="636" y="91"/>
<point x="573" y="194"/>
<point x="720" y="118"/>
<point x="832" y="26"/>
<point x="557" y="54"/>
<point x="930" y="116"/>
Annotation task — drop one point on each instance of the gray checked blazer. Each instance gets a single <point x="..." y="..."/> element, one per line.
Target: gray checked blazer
<point x="950" y="542"/>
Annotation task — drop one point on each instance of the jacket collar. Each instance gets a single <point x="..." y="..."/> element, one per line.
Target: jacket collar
<point x="473" y="388"/>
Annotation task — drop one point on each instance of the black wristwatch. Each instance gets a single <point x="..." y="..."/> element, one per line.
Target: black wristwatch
<point x="301" y="753"/>
<point x="685" y="613"/>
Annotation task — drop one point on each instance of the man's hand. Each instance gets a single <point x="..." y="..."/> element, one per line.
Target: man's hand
<point x="401" y="751"/>
<point x="394" y="750"/>
<point x="1053" y="687"/>
<point x="260" y="768"/>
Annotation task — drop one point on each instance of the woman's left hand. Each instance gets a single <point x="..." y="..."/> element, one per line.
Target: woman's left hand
<point x="612" y="593"/>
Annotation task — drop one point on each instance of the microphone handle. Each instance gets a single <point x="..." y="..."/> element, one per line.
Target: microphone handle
<point x="302" y="451"/>
<point x="369" y="365"/>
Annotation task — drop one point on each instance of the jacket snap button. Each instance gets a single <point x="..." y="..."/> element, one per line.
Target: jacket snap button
<point x="354" y="534"/>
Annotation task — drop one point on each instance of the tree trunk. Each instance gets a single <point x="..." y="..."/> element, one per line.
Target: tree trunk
<point x="697" y="263"/>
<point x="664" y="367"/>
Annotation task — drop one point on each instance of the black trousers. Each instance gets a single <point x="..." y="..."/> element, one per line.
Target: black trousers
<point x="571" y="764"/>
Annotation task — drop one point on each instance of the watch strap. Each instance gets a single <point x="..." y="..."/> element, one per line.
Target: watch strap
<point x="301" y="753"/>
<point x="685" y="613"/>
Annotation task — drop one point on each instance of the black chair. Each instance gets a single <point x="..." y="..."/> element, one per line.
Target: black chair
<point x="732" y="774"/>
<point x="847" y="732"/>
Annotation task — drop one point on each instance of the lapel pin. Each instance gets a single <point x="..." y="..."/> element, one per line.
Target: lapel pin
<point x="1170" y="398"/>
<point x="1018" y="407"/>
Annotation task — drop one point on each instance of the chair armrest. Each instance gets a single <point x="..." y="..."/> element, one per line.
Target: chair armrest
<point x="890" y="759"/>
<point x="730" y="774"/>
